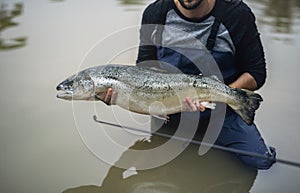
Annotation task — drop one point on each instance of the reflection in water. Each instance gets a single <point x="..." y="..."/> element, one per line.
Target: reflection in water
<point x="216" y="172"/>
<point x="57" y="0"/>
<point x="6" y="21"/>
<point x="279" y="14"/>
<point x="132" y="5"/>
<point x="131" y="2"/>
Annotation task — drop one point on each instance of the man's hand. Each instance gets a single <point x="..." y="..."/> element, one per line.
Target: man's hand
<point x="192" y="105"/>
<point x="109" y="97"/>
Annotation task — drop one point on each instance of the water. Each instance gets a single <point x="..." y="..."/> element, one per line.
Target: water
<point x="42" y="42"/>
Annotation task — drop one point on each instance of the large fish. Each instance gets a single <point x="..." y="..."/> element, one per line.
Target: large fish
<point x="152" y="91"/>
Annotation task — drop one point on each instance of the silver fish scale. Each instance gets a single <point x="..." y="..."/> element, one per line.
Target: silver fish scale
<point x="155" y="82"/>
<point x="152" y="91"/>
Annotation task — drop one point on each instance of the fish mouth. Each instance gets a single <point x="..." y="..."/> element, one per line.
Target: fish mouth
<point x="64" y="94"/>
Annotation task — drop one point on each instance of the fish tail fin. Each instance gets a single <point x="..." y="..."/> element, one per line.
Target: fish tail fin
<point x="249" y="103"/>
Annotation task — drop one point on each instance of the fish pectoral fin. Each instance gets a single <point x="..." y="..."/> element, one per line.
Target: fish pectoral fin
<point x="99" y="98"/>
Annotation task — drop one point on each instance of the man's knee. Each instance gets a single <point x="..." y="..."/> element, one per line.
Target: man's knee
<point x="260" y="163"/>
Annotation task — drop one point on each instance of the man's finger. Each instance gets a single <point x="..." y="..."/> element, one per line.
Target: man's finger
<point x="113" y="98"/>
<point x="192" y="105"/>
<point x="199" y="106"/>
<point x="189" y="105"/>
<point x="107" y="98"/>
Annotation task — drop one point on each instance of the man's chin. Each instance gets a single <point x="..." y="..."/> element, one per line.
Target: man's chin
<point x="190" y="4"/>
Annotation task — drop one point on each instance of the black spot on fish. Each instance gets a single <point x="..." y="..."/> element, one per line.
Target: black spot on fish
<point x="194" y="83"/>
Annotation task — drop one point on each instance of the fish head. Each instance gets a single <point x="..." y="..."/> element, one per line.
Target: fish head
<point x="77" y="87"/>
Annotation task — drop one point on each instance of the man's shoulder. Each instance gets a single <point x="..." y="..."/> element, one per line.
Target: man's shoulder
<point x="153" y="7"/>
<point x="238" y="8"/>
<point x="156" y="11"/>
<point x="158" y="4"/>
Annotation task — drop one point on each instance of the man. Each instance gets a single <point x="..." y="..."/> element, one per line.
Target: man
<point x="227" y="28"/>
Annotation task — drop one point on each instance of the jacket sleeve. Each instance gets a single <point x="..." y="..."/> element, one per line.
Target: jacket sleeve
<point x="250" y="53"/>
<point x="147" y="49"/>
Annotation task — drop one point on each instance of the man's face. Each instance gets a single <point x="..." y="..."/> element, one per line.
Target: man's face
<point x="190" y="4"/>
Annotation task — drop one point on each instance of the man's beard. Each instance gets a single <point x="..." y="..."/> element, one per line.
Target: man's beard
<point x="190" y="6"/>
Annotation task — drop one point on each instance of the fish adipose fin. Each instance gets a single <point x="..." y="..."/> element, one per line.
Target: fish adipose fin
<point x="214" y="77"/>
<point x="249" y="103"/>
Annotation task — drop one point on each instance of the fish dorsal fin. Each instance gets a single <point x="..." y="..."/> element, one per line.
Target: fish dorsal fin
<point x="214" y="77"/>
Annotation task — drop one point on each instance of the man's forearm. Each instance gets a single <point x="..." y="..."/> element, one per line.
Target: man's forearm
<point x="245" y="81"/>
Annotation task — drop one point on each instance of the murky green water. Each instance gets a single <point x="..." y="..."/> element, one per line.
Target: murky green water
<point x="41" y="146"/>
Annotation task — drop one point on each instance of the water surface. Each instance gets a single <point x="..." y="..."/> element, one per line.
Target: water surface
<point x="42" y="42"/>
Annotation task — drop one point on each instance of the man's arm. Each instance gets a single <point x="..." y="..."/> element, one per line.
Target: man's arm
<point x="245" y="81"/>
<point x="250" y="55"/>
<point x="147" y="48"/>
